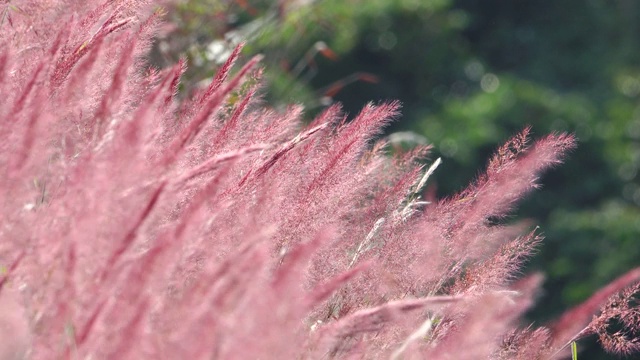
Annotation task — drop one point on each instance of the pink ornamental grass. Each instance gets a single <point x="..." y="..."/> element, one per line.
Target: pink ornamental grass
<point x="135" y="225"/>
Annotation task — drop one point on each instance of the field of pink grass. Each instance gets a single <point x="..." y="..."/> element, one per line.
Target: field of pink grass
<point x="135" y="225"/>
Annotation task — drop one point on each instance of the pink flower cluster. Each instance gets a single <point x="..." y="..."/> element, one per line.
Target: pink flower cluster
<point x="136" y="225"/>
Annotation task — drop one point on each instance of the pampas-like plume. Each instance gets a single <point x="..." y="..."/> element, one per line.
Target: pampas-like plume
<point x="137" y="225"/>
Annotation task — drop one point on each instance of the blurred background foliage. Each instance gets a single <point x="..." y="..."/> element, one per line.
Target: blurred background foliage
<point x="470" y="74"/>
